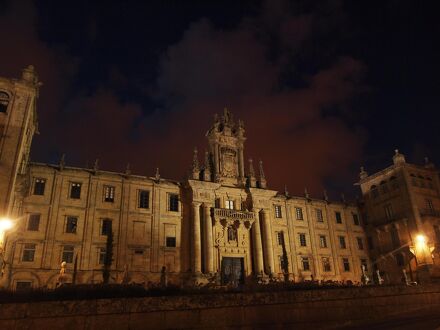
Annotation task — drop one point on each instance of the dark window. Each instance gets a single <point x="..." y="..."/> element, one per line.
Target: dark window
<point x="374" y="191"/>
<point x="394" y="183"/>
<point x="39" y="186"/>
<point x="326" y="264"/>
<point x="346" y="264"/>
<point x="28" y="252"/>
<point x="342" y="243"/>
<point x="302" y="239"/>
<point x="34" y="222"/>
<point x="71" y="224"/>
<point x="75" y="190"/>
<point x="384" y="187"/>
<point x="280" y="238"/>
<point x="102" y="253"/>
<point x="232" y="234"/>
<point x="370" y="243"/>
<point x="23" y="285"/>
<point x="171" y="242"/>
<point x="338" y="217"/>
<point x="356" y="219"/>
<point x="106" y="227"/>
<point x="429" y="205"/>
<point x="299" y="213"/>
<point x="4" y="101"/>
<point x="319" y="217"/>
<point x="174" y="202"/>
<point x="395" y="240"/>
<point x="144" y="199"/>
<point x="109" y="194"/>
<point x="400" y="259"/>
<point x="68" y="254"/>
<point x="305" y="263"/>
<point x="360" y="243"/>
<point x="278" y="213"/>
<point x="389" y="214"/>
<point x="322" y="241"/>
<point x="139" y="251"/>
<point x="217" y="203"/>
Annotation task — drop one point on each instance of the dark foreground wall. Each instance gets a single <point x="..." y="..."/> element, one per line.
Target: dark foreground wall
<point x="287" y="309"/>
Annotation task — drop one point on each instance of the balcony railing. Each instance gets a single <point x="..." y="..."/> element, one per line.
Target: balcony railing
<point x="429" y="213"/>
<point x="236" y="214"/>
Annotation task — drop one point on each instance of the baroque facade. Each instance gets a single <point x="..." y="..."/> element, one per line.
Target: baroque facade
<point x="221" y="222"/>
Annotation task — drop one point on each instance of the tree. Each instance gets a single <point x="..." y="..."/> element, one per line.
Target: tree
<point x="284" y="259"/>
<point x="108" y="258"/>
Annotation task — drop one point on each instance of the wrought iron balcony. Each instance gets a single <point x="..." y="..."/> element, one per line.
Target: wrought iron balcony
<point x="429" y="213"/>
<point x="235" y="214"/>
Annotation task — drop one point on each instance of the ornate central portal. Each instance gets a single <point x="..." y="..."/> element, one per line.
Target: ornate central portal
<point x="232" y="270"/>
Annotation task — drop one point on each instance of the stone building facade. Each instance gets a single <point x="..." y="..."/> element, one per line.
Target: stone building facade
<point x="221" y="223"/>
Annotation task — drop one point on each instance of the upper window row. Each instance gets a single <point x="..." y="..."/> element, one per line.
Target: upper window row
<point x="384" y="187"/>
<point x="420" y="181"/>
<point x="4" y="101"/>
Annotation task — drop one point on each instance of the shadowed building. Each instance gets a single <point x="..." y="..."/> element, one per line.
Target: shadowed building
<point x="221" y="223"/>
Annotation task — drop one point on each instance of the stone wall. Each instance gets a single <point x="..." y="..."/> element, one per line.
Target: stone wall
<point x="317" y="308"/>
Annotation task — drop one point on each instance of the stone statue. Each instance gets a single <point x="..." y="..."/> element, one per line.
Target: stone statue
<point x="405" y="277"/>
<point x="125" y="275"/>
<point x="62" y="277"/>
<point x="380" y="280"/>
<point x="364" y="278"/>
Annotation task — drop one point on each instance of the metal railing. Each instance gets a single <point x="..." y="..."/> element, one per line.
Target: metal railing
<point x="429" y="213"/>
<point x="236" y="214"/>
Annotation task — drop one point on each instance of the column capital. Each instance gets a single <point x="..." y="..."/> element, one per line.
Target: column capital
<point x="207" y="205"/>
<point x="196" y="204"/>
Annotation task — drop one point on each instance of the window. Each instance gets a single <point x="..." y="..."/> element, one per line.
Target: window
<point x="342" y="243"/>
<point x="232" y="234"/>
<point x="374" y="191"/>
<point x="302" y="239"/>
<point x="34" y="222"/>
<point x="319" y="217"/>
<point x="4" y="101"/>
<point x="422" y="181"/>
<point x="23" y="285"/>
<point x="355" y="219"/>
<point x="280" y="238"/>
<point x="400" y="259"/>
<point x="106" y="227"/>
<point x="278" y="213"/>
<point x="394" y="183"/>
<point x="370" y="243"/>
<point x="395" y="240"/>
<point x="429" y="205"/>
<point x="299" y="213"/>
<point x="71" y="224"/>
<point x="75" y="190"/>
<point x="39" y="186"/>
<point x="170" y="242"/>
<point x="414" y="180"/>
<point x="346" y="264"/>
<point x="389" y="214"/>
<point x="101" y="257"/>
<point x="109" y="194"/>
<point x="229" y="204"/>
<point x="338" y="217"/>
<point x="217" y="203"/>
<point x="144" y="199"/>
<point x="139" y="252"/>
<point x="322" y="241"/>
<point x="68" y="254"/>
<point x="364" y="263"/>
<point x="360" y="243"/>
<point x="305" y="263"/>
<point x="430" y="185"/>
<point x="173" y="202"/>
<point x="383" y="187"/>
<point x="326" y="266"/>
<point x="28" y="252"/>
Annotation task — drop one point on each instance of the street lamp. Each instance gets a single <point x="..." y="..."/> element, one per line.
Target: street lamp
<point x="5" y="224"/>
<point x="423" y="253"/>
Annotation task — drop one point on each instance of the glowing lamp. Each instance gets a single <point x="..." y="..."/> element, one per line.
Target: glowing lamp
<point x="5" y="224"/>
<point x="421" y="239"/>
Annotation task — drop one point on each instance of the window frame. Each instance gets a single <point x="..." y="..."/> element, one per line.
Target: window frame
<point x="28" y="254"/>
<point x="75" y="190"/>
<point x="326" y="264"/>
<point x="105" y="227"/>
<point x="319" y="215"/>
<point x="68" y="250"/>
<point x="68" y="218"/>
<point x="305" y="261"/>
<point x="338" y="217"/>
<point x="346" y="264"/>
<point x="143" y="203"/>
<point x="173" y="202"/>
<point x="31" y="217"/>
<point x="342" y="242"/>
<point x="302" y="239"/>
<point x="299" y="215"/>
<point x="360" y="243"/>
<point x="39" y="186"/>
<point x="278" y="211"/>
<point x="323" y="241"/>
<point x="109" y="193"/>
<point x="170" y="241"/>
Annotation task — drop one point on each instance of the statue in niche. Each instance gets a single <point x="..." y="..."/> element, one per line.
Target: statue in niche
<point x="232" y="234"/>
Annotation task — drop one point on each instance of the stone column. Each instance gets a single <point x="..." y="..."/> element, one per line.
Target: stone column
<point x="258" y="246"/>
<point x="268" y="247"/>
<point x="209" y="249"/>
<point x="197" y="252"/>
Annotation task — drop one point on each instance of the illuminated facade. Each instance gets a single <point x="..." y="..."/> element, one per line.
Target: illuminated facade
<point x="222" y="223"/>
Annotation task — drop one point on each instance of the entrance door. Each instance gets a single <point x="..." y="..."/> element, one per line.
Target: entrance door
<point x="232" y="270"/>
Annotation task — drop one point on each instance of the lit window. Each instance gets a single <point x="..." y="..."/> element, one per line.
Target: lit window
<point x="355" y="219"/>
<point x="305" y="263"/>
<point x="322" y="241"/>
<point x="71" y="224"/>
<point x="280" y="238"/>
<point x="173" y="201"/>
<point x="360" y="243"/>
<point x="346" y="264"/>
<point x="109" y="194"/>
<point x="342" y="243"/>
<point x="28" y="252"/>
<point x="302" y="239"/>
<point x="106" y="227"/>
<point x="326" y="265"/>
<point x="34" y="222"/>
<point x="144" y="199"/>
<point x="299" y="213"/>
<point x="39" y="186"/>
<point x="75" y="190"/>
<point x="319" y="217"/>
<point x="278" y="213"/>
<point x="170" y="241"/>
<point x="338" y="217"/>
<point x="68" y="254"/>
<point x="229" y="204"/>
<point x="4" y="101"/>
<point x="101" y="257"/>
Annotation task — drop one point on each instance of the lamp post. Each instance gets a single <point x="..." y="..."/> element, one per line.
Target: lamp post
<point x="423" y="253"/>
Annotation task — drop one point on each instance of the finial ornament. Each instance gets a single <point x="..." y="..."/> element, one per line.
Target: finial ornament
<point x="343" y="198"/>
<point x="306" y="193"/>
<point x="195" y="160"/>
<point x="398" y="158"/>
<point x="127" y="169"/>
<point x="286" y="192"/>
<point x="325" y="195"/>
<point x="251" y="168"/>
<point x="363" y="174"/>
<point x="207" y="167"/>
<point x="261" y="170"/>
<point x="157" y="175"/>
<point x="96" y="166"/>
<point x="62" y="163"/>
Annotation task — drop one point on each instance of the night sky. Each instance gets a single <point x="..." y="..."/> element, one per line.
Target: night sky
<point x="323" y="87"/>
